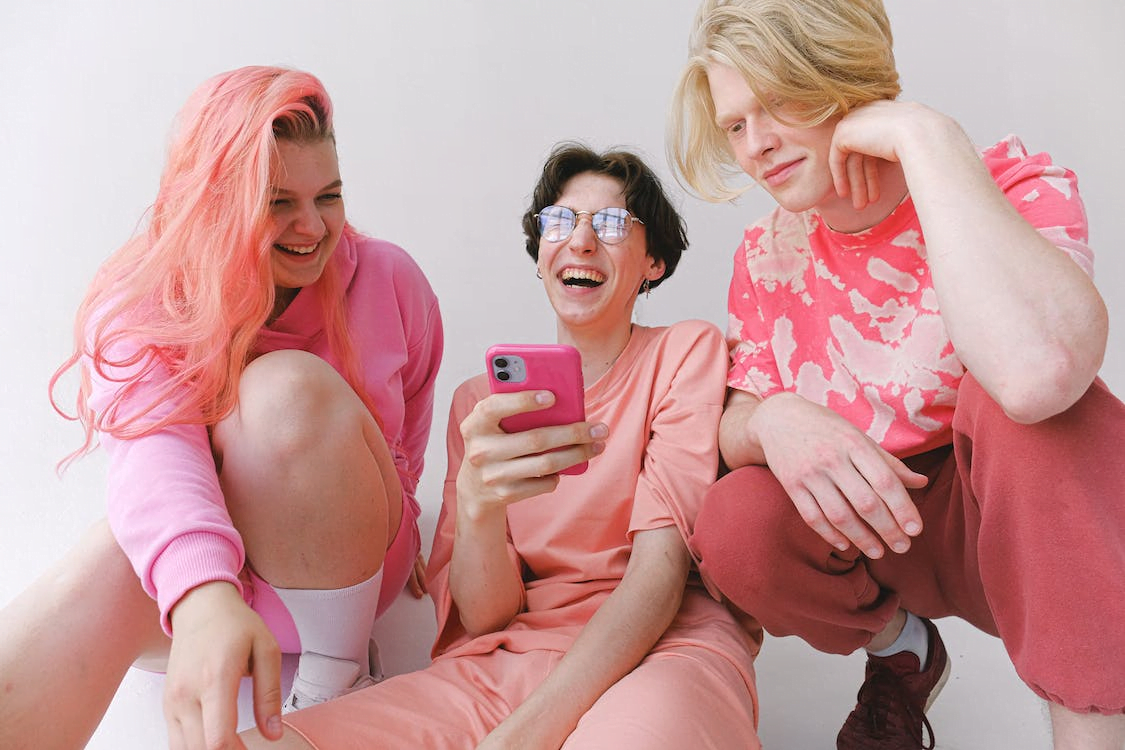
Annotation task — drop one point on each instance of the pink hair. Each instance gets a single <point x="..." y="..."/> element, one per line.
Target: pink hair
<point x="190" y="293"/>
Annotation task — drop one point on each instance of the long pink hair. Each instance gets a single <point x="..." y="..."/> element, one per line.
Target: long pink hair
<point x="191" y="291"/>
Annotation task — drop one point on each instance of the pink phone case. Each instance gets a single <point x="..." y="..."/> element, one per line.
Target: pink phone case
<point x="551" y="367"/>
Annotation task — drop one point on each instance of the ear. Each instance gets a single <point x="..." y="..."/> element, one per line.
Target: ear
<point x="655" y="269"/>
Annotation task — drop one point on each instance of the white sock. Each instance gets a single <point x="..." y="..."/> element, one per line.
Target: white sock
<point x="914" y="637"/>
<point x="335" y="622"/>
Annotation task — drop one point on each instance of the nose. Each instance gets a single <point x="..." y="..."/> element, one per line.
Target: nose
<point x="309" y="222"/>
<point x="760" y="138"/>
<point x="583" y="239"/>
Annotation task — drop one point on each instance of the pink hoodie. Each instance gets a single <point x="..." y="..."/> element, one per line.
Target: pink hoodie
<point x="164" y="502"/>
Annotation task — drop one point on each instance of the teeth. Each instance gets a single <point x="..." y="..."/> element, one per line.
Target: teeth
<point x="298" y="249"/>
<point x="587" y="274"/>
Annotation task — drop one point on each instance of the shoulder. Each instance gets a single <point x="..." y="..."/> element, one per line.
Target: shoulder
<point x="386" y="278"/>
<point x="375" y="256"/>
<point x="692" y="332"/>
<point x="777" y="231"/>
<point x="688" y="340"/>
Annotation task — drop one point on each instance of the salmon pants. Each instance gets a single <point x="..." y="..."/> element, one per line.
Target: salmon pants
<point x="680" y="697"/>
<point x="1024" y="537"/>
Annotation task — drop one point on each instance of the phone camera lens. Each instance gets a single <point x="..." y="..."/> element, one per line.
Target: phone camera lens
<point x="503" y="375"/>
<point x="500" y="362"/>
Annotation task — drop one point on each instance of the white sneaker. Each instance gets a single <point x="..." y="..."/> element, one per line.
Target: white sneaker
<point x="320" y="678"/>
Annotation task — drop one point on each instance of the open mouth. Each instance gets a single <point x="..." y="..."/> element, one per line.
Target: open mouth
<point x="297" y="249"/>
<point x="582" y="277"/>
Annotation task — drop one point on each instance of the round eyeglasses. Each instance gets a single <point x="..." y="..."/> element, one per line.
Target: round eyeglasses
<point x="611" y="225"/>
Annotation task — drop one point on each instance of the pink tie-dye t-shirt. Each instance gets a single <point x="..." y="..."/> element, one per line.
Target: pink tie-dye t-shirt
<point x="851" y="321"/>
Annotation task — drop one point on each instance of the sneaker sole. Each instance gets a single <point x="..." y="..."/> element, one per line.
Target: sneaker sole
<point x="940" y="683"/>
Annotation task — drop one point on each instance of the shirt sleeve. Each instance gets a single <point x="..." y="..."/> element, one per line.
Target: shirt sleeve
<point x="418" y="381"/>
<point x="752" y="364"/>
<point x="164" y="503"/>
<point x="681" y="458"/>
<point x="1046" y="195"/>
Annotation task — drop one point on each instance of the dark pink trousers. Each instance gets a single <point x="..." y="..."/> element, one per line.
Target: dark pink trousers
<point x="1024" y="537"/>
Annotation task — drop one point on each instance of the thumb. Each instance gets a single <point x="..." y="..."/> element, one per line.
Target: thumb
<point x="265" y="672"/>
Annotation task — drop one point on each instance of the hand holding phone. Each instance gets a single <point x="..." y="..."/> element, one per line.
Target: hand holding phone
<point x="549" y="367"/>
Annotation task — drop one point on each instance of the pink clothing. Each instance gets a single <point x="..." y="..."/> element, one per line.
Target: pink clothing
<point x="662" y="399"/>
<point x="166" y="508"/>
<point x="851" y="321"/>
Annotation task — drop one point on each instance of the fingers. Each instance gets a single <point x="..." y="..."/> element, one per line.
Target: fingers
<point x="857" y="182"/>
<point x="880" y="497"/>
<point x="417" y="582"/>
<point x="865" y="504"/>
<point x="486" y="415"/>
<point x="219" y="711"/>
<point x="841" y="512"/>
<point x="813" y="515"/>
<point x="265" y="672"/>
<point x="838" y="160"/>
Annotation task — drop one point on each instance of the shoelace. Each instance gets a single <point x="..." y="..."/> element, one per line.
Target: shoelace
<point x="879" y="693"/>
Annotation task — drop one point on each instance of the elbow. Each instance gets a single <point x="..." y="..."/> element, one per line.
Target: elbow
<point x="1049" y="387"/>
<point x="485" y="617"/>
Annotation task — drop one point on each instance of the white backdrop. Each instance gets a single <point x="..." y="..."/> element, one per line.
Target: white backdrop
<point x="444" y="115"/>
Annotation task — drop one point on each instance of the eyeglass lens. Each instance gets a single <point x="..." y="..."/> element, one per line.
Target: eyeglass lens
<point x="611" y="225"/>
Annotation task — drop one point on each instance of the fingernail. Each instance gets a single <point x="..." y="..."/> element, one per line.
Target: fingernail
<point x="599" y="431"/>
<point x="597" y="448"/>
<point x="841" y="546"/>
<point x="874" y="552"/>
<point x="913" y="529"/>
<point x="274" y="724"/>
<point x="544" y="397"/>
<point x="901" y="547"/>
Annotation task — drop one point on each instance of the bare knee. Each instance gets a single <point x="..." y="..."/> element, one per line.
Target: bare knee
<point x="289" y="402"/>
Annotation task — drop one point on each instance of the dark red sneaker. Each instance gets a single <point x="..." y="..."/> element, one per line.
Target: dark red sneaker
<point x="890" y="712"/>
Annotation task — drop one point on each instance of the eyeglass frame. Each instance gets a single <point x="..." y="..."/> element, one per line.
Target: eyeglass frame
<point x="591" y="214"/>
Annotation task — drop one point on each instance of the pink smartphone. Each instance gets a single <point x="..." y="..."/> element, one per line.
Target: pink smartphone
<point x="550" y="367"/>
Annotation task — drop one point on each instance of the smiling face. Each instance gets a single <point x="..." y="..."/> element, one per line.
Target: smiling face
<point x="790" y="162"/>
<point x="593" y="286"/>
<point x="306" y="212"/>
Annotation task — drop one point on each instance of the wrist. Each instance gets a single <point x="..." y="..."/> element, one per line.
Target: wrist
<point x="203" y="597"/>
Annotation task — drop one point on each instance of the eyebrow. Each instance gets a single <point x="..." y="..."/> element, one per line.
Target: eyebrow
<point x="330" y="186"/>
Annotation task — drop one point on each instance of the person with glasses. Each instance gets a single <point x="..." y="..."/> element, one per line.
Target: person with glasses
<point x="915" y="426"/>
<point x="568" y="611"/>
<point x="261" y="376"/>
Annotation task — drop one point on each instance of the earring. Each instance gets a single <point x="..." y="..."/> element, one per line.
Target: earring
<point x="646" y="288"/>
<point x="538" y="273"/>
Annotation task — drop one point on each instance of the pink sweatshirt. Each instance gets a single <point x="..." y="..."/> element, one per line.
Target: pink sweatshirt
<point x="164" y="502"/>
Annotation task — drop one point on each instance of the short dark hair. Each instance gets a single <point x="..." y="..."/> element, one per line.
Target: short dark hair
<point x="665" y="232"/>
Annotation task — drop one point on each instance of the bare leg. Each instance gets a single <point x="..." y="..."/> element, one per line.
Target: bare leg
<point x="887" y="636"/>
<point x="308" y="479"/>
<point x="67" y="641"/>
<point x="1075" y="731"/>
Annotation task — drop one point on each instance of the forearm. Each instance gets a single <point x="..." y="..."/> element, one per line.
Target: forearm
<point x="615" y="640"/>
<point x="483" y="578"/>
<point x="1023" y="317"/>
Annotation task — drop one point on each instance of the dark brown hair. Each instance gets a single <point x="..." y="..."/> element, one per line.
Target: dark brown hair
<point x="666" y="235"/>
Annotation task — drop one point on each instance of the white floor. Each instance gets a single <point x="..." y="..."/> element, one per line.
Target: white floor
<point x="805" y="696"/>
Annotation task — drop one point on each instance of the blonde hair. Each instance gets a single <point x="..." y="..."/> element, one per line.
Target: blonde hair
<point x="821" y="57"/>
<point x="190" y="293"/>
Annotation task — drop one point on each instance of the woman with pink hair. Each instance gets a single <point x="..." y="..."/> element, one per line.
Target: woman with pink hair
<point x="261" y="376"/>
